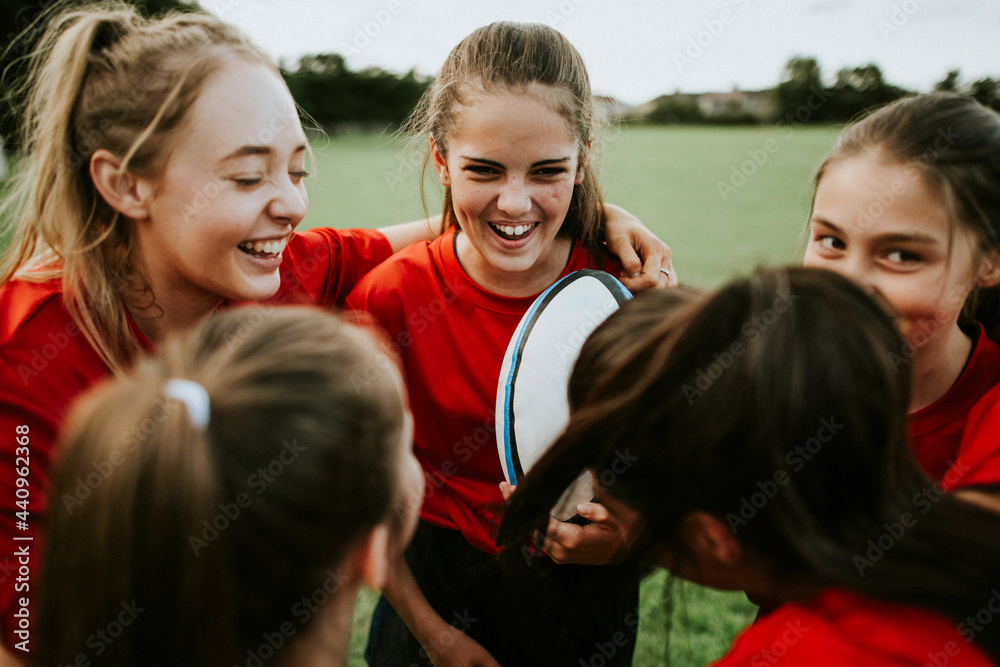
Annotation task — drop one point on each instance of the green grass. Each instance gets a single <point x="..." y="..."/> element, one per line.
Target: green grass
<point x="669" y="178"/>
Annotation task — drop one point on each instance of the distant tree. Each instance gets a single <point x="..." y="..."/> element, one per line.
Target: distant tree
<point x="949" y="83"/>
<point x="800" y="96"/>
<point x="858" y="89"/>
<point x="332" y="94"/>
<point x="986" y="91"/>
<point x="671" y="109"/>
<point x="23" y="24"/>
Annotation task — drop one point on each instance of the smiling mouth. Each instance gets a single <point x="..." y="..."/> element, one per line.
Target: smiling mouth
<point x="513" y="232"/>
<point x="264" y="249"/>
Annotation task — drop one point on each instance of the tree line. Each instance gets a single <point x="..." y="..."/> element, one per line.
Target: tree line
<point x="802" y="96"/>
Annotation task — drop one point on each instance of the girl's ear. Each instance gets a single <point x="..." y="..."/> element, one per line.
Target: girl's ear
<point x="989" y="270"/>
<point x="440" y="164"/>
<point x="123" y="191"/>
<point x="711" y="541"/>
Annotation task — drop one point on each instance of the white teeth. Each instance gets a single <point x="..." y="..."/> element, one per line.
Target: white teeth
<point x="511" y="230"/>
<point x="265" y="247"/>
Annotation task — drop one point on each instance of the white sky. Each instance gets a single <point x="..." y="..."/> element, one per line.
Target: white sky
<point x="636" y="50"/>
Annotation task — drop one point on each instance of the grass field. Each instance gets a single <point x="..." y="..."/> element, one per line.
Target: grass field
<point x="670" y="178"/>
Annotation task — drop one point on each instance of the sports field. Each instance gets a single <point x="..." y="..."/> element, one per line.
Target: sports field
<point x="725" y="199"/>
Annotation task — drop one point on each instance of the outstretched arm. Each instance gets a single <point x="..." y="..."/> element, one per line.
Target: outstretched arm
<point x="642" y="254"/>
<point x="446" y="646"/>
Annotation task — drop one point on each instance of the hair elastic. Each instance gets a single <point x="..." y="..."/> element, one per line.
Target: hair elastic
<point x="193" y="396"/>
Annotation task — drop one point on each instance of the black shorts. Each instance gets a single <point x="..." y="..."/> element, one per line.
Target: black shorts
<point x="571" y="615"/>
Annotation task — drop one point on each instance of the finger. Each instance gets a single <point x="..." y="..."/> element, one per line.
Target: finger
<point x="668" y="275"/>
<point x="595" y="512"/>
<point x="506" y="490"/>
<point x="627" y="255"/>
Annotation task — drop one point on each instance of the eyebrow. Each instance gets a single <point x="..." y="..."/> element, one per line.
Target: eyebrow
<point x="494" y="163"/>
<point x="916" y="237"/>
<point x="243" y="151"/>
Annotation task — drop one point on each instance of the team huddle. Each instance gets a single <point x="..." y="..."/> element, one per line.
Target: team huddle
<point x="216" y="428"/>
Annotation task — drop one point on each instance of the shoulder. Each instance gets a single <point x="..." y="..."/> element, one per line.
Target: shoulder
<point x="844" y="629"/>
<point x="412" y="269"/>
<point x="978" y="460"/>
<point x="31" y="312"/>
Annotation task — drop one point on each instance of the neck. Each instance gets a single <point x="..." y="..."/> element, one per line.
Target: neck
<point x="324" y="641"/>
<point x="937" y="366"/>
<point x="167" y="312"/>
<point x="530" y="282"/>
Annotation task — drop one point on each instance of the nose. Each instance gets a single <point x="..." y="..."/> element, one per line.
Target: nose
<point x="290" y="202"/>
<point x="515" y="199"/>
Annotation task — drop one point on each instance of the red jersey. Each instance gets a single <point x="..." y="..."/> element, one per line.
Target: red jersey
<point x="936" y="430"/>
<point x="46" y="362"/>
<point x="842" y="629"/>
<point x="451" y="335"/>
<point x="978" y="462"/>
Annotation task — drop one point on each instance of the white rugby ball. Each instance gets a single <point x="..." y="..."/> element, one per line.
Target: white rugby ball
<point x="532" y="406"/>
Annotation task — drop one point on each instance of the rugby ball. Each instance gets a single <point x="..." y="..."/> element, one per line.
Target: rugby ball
<point x="532" y="406"/>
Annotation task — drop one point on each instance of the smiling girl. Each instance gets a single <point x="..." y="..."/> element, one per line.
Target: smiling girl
<point x="508" y="123"/>
<point x="907" y="204"/>
<point x="163" y="180"/>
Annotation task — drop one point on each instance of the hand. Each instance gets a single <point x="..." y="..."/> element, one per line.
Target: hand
<point x="642" y="254"/>
<point x="601" y="542"/>
<point x="453" y="648"/>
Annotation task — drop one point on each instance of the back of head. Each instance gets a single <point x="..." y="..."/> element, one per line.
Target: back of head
<point x="102" y="77"/>
<point x="508" y="56"/>
<point x="209" y="537"/>
<point x="954" y="144"/>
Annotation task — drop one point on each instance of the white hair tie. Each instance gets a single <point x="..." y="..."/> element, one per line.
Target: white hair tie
<point x="193" y="396"/>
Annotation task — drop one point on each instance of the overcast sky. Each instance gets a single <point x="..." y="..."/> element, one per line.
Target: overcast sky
<point x="636" y="50"/>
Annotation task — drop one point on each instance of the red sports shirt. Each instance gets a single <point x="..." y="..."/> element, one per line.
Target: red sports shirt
<point x="842" y="629"/>
<point x="452" y="335"/>
<point x="936" y="430"/>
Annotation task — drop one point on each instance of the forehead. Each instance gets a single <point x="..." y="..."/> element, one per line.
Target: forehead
<point x="871" y="192"/>
<point x="242" y="103"/>
<point x="507" y="116"/>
